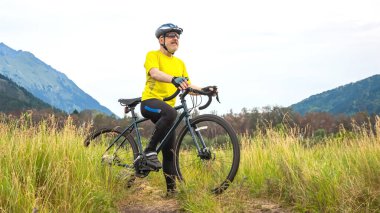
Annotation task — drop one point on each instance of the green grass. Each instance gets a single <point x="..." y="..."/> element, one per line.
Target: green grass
<point x="339" y="175"/>
<point x="49" y="170"/>
<point x="46" y="167"/>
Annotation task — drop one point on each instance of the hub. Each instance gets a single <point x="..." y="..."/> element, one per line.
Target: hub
<point x="205" y="154"/>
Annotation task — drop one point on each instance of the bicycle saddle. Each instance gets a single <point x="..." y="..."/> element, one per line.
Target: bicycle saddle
<point x="130" y="102"/>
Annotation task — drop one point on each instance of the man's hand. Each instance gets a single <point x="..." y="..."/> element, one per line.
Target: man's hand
<point x="180" y="82"/>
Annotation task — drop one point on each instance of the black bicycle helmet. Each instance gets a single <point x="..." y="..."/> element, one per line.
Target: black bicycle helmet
<point x="169" y="27"/>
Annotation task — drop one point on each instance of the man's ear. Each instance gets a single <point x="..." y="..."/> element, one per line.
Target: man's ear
<point x="161" y="40"/>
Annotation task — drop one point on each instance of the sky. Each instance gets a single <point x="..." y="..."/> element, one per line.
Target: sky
<point x="258" y="53"/>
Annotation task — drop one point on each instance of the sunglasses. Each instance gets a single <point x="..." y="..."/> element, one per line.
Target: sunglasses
<point x="172" y="35"/>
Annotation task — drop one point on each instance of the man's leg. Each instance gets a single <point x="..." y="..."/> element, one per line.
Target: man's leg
<point x="163" y="115"/>
<point x="168" y="164"/>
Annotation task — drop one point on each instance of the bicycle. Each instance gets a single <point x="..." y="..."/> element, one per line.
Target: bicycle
<point x="206" y="147"/>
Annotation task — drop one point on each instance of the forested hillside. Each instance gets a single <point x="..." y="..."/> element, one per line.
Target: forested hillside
<point x="16" y="99"/>
<point x="361" y="96"/>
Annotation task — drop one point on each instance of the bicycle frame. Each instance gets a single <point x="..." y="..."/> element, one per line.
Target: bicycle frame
<point x="222" y="143"/>
<point x="184" y="115"/>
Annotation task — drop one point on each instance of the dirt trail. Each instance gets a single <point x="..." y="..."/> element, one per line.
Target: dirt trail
<point x="145" y="198"/>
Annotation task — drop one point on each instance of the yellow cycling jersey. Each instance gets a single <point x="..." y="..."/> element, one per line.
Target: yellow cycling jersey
<point x="169" y="65"/>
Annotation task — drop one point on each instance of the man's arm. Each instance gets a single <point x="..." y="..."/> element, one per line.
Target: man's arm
<point x="195" y="87"/>
<point x="158" y="75"/>
<point x="163" y="77"/>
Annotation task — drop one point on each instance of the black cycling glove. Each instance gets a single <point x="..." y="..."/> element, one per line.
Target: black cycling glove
<point x="176" y="81"/>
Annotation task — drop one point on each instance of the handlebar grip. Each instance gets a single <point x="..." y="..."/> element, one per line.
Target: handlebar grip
<point x="172" y="96"/>
<point x="207" y="104"/>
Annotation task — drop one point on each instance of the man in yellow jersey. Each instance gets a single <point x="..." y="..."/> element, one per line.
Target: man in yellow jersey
<point x="164" y="74"/>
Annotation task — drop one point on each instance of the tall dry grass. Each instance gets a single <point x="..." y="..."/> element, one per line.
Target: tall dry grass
<point x="340" y="174"/>
<point x="45" y="168"/>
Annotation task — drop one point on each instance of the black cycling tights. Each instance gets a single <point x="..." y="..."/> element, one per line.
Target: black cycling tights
<point x="163" y="115"/>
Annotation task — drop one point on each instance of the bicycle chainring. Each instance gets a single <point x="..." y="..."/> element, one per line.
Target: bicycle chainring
<point x="141" y="169"/>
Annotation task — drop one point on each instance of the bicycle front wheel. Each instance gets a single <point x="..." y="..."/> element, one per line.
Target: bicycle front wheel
<point x="216" y="162"/>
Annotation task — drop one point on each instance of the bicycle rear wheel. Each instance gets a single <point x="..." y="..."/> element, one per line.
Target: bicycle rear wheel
<point x="216" y="165"/>
<point x="122" y="152"/>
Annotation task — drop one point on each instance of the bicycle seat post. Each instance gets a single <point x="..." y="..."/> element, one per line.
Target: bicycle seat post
<point x="134" y="116"/>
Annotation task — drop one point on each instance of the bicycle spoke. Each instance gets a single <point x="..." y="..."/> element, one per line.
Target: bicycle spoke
<point x="118" y="153"/>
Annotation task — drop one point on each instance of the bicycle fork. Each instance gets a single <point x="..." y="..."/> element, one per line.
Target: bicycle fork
<point x="203" y="151"/>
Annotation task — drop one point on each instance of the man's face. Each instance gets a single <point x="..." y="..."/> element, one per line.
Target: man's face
<point x="171" y="41"/>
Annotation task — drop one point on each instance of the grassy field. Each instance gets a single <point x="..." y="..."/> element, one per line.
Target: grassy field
<point x="46" y="168"/>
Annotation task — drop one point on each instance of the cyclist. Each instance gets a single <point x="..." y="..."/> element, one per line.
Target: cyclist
<point x="164" y="74"/>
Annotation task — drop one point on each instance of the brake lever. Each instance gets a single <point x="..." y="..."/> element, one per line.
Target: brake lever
<point x="217" y="97"/>
<point x="215" y="88"/>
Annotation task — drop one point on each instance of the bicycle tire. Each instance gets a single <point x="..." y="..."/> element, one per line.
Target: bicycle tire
<point x="122" y="156"/>
<point x="216" y="173"/>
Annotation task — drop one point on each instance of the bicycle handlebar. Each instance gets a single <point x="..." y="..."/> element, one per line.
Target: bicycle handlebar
<point x="172" y="96"/>
<point x="186" y="91"/>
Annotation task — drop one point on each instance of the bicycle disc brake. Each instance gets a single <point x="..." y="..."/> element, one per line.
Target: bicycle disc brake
<point x="206" y="154"/>
<point x="110" y="159"/>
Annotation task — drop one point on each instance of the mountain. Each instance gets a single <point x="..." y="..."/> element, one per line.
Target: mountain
<point x="44" y="82"/>
<point x="361" y="96"/>
<point x="14" y="98"/>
